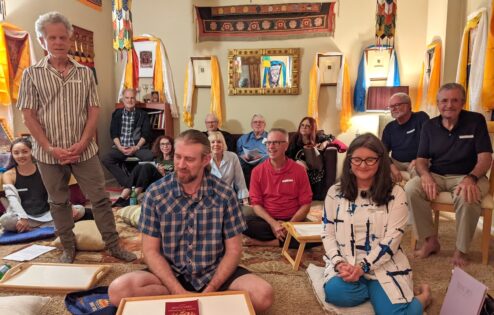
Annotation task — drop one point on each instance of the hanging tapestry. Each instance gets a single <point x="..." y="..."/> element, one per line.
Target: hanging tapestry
<point x="269" y="21"/>
<point x="343" y="95"/>
<point x="122" y="24"/>
<point x="82" y="48"/>
<point x="430" y="79"/>
<point x="385" y="20"/>
<point x="161" y="71"/>
<point x="488" y="84"/>
<point x="215" y="99"/>
<point x="95" y="4"/>
<point x="370" y="68"/>
<point x="470" y="71"/>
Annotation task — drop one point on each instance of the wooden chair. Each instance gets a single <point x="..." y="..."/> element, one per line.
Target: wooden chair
<point x="444" y="202"/>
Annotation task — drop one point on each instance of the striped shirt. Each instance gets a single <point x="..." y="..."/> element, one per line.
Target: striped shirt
<point x="192" y="229"/>
<point x="61" y="104"/>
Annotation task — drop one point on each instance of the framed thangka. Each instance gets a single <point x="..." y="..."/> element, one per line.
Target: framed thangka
<point x="145" y="51"/>
<point x="378" y="62"/>
<point x="329" y="68"/>
<point x="202" y="71"/>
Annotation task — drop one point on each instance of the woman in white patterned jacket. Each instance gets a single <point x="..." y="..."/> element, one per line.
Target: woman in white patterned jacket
<point x="364" y="220"/>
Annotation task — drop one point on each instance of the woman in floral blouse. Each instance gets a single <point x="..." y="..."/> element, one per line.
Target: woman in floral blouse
<point x="365" y="216"/>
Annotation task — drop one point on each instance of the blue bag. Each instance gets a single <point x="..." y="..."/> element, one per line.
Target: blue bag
<point x="90" y="302"/>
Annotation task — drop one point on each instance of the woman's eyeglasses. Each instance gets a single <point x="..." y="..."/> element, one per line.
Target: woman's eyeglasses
<point x="370" y="161"/>
<point x="165" y="144"/>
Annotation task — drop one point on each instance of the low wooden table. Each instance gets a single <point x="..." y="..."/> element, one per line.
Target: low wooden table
<point x="215" y="303"/>
<point x="303" y="235"/>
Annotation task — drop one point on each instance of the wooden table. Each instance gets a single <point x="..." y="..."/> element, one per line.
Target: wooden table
<point x="215" y="303"/>
<point x="303" y="235"/>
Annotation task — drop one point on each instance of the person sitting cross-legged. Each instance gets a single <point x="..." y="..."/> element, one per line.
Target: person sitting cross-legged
<point x="365" y="216"/>
<point x="191" y="228"/>
<point x="279" y="192"/>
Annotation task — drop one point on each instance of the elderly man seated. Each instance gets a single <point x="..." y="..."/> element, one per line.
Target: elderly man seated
<point x="279" y="192"/>
<point x="130" y="131"/>
<point x="459" y="149"/>
<point x="211" y="122"/>
<point x="251" y="148"/>
<point x="401" y="136"/>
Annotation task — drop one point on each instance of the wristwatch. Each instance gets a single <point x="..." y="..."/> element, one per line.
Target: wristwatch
<point x="365" y="266"/>
<point x="474" y="177"/>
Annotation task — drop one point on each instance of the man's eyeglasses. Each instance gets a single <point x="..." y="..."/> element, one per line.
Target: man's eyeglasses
<point x="370" y="161"/>
<point x="212" y="122"/>
<point x="275" y="143"/>
<point x="258" y="121"/>
<point x="391" y="107"/>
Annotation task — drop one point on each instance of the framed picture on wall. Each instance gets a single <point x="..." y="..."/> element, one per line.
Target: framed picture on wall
<point x="202" y="71"/>
<point x="329" y="68"/>
<point x="6" y="137"/>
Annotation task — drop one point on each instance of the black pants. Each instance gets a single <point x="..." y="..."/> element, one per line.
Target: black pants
<point x="143" y="175"/>
<point x="114" y="159"/>
<point x="259" y="229"/>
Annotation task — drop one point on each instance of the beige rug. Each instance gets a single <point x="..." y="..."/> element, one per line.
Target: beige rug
<point x="293" y="294"/>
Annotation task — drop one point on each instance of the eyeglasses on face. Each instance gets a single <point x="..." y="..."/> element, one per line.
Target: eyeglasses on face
<point x="275" y="143"/>
<point x="212" y="122"/>
<point x="397" y="105"/>
<point x="165" y="144"/>
<point x="258" y="121"/>
<point x="370" y="161"/>
<point x="305" y="126"/>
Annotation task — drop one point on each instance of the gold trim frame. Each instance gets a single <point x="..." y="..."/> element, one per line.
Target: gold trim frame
<point x="293" y="53"/>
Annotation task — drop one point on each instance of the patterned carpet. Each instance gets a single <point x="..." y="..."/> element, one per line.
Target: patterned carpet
<point x="293" y="293"/>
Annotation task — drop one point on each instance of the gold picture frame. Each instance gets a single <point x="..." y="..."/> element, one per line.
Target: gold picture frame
<point x="270" y="71"/>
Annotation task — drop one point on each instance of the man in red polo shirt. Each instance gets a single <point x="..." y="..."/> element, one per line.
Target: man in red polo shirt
<point x="279" y="191"/>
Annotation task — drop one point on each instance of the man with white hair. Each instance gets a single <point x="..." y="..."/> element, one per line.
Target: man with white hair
<point x="60" y="107"/>
<point x="212" y="122"/>
<point x="401" y="136"/>
<point x="251" y="148"/>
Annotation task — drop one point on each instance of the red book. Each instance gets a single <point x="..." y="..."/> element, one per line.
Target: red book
<point x="182" y="308"/>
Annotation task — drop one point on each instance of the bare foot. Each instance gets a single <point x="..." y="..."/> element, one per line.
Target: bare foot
<point x="424" y="295"/>
<point x="430" y="246"/>
<point x="247" y="241"/>
<point x="459" y="259"/>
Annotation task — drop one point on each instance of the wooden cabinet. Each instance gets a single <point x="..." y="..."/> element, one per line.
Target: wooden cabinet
<point x="160" y="122"/>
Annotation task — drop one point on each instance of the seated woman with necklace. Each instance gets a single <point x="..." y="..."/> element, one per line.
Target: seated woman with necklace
<point x="365" y="216"/>
<point x="145" y="174"/>
<point x="28" y="200"/>
<point x="226" y="165"/>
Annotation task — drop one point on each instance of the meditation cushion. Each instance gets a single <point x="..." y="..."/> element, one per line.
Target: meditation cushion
<point x="29" y="236"/>
<point x="316" y="278"/>
<point x="130" y="214"/>
<point x="22" y="304"/>
<point x="87" y="237"/>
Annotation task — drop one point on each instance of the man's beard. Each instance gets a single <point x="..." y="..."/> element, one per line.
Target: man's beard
<point x="185" y="178"/>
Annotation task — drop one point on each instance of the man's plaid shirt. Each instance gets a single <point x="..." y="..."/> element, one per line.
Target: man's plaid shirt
<point x="128" y="118"/>
<point x="192" y="230"/>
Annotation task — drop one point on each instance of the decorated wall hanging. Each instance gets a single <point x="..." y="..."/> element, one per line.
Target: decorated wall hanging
<point x="343" y="94"/>
<point x="472" y="65"/>
<point x="82" y="48"/>
<point x="122" y="24"/>
<point x="16" y="54"/>
<point x="267" y="21"/>
<point x="377" y="63"/>
<point x="488" y="83"/>
<point x="385" y="21"/>
<point x="430" y="79"/>
<point x="189" y="85"/>
<point x="95" y="4"/>
<point x="149" y="59"/>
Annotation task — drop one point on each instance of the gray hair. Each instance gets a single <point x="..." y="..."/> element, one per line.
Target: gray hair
<point x="280" y="130"/>
<point x="404" y="97"/>
<point x="453" y="86"/>
<point x="211" y="115"/>
<point x="51" y="18"/>
<point x="257" y="116"/>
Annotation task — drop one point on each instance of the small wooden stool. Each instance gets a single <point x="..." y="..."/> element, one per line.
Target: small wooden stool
<point x="302" y="237"/>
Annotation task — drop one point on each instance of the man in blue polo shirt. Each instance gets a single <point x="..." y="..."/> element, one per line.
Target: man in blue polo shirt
<point x="459" y="149"/>
<point x="401" y="136"/>
<point x="251" y="148"/>
<point x="191" y="228"/>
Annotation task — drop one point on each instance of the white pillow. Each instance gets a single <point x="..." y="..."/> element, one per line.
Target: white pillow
<point x="22" y="304"/>
<point x="316" y="277"/>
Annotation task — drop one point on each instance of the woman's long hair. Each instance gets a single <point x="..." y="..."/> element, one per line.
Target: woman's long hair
<point x="382" y="185"/>
<point x="156" y="147"/>
<point x="298" y="139"/>
<point x="25" y="141"/>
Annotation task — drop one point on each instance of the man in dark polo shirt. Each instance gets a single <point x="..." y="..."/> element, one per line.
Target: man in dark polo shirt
<point x="401" y="136"/>
<point x="459" y="149"/>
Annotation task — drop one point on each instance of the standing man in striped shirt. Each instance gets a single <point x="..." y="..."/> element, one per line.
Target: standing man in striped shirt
<point x="60" y="108"/>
